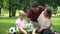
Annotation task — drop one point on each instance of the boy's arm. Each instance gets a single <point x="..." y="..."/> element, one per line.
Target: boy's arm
<point x="28" y="19"/>
<point x="21" y="28"/>
<point x="33" y="31"/>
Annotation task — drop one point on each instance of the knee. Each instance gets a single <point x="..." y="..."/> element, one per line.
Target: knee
<point x="47" y="32"/>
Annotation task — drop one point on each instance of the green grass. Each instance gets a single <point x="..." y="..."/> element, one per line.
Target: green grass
<point x="56" y="24"/>
<point x="6" y="23"/>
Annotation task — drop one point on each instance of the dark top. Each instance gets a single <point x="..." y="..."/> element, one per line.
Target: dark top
<point x="34" y="15"/>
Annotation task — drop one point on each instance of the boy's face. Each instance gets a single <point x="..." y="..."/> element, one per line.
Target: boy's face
<point x="21" y="16"/>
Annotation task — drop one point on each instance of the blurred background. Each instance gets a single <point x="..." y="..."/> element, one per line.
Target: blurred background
<point x="9" y="10"/>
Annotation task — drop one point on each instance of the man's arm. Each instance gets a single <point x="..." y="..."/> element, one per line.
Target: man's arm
<point x="29" y="15"/>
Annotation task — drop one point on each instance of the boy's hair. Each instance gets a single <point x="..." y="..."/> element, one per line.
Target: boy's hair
<point x="35" y="5"/>
<point x="22" y="12"/>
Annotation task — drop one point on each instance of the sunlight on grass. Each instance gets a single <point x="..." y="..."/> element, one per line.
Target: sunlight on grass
<point x="56" y="21"/>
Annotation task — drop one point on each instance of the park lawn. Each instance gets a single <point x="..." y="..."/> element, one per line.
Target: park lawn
<point x="6" y="23"/>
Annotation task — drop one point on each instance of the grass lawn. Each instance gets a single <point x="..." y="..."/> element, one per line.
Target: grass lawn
<point x="6" y="23"/>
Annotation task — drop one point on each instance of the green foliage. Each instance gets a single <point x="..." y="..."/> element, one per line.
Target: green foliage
<point x="24" y="3"/>
<point x="12" y="5"/>
<point x="50" y="3"/>
<point x="5" y="4"/>
<point x="1" y="3"/>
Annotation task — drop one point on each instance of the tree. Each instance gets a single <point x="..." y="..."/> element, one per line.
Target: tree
<point x="1" y="5"/>
<point x="27" y="4"/>
<point x="51" y="3"/>
<point x="13" y="4"/>
<point x="0" y="10"/>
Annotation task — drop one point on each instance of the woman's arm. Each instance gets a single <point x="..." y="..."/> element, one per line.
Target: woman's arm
<point x="45" y="27"/>
<point x="49" y="25"/>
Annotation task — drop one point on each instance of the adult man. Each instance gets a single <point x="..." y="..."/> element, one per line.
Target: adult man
<point x="33" y="13"/>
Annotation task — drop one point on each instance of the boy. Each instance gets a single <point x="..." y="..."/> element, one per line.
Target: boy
<point x="21" y="25"/>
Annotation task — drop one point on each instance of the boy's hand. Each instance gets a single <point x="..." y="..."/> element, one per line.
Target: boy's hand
<point x="40" y="29"/>
<point x="25" y="33"/>
<point x="27" y="28"/>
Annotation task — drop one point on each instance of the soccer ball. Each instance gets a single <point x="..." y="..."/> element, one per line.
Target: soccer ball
<point x="12" y="30"/>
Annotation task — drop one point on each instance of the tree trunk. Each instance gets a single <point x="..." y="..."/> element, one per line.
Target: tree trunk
<point x="10" y="10"/>
<point x="25" y="8"/>
<point x="0" y="11"/>
<point x="13" y="11"/>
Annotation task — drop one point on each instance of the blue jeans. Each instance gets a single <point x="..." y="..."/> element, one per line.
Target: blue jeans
<point x="46" y="31"/>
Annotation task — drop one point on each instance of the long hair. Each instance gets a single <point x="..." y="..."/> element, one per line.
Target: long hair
<point x="48" y="13"/>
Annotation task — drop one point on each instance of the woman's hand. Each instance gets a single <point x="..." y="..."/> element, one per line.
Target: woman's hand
<point x="40" y="29"/>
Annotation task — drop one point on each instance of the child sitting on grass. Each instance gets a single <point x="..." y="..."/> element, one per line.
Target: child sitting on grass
<point x="21" y="25"/>
<point x="46" y="24"/>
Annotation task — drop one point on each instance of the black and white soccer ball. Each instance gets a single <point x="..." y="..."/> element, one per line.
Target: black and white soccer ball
<point x="12" y="30"/>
